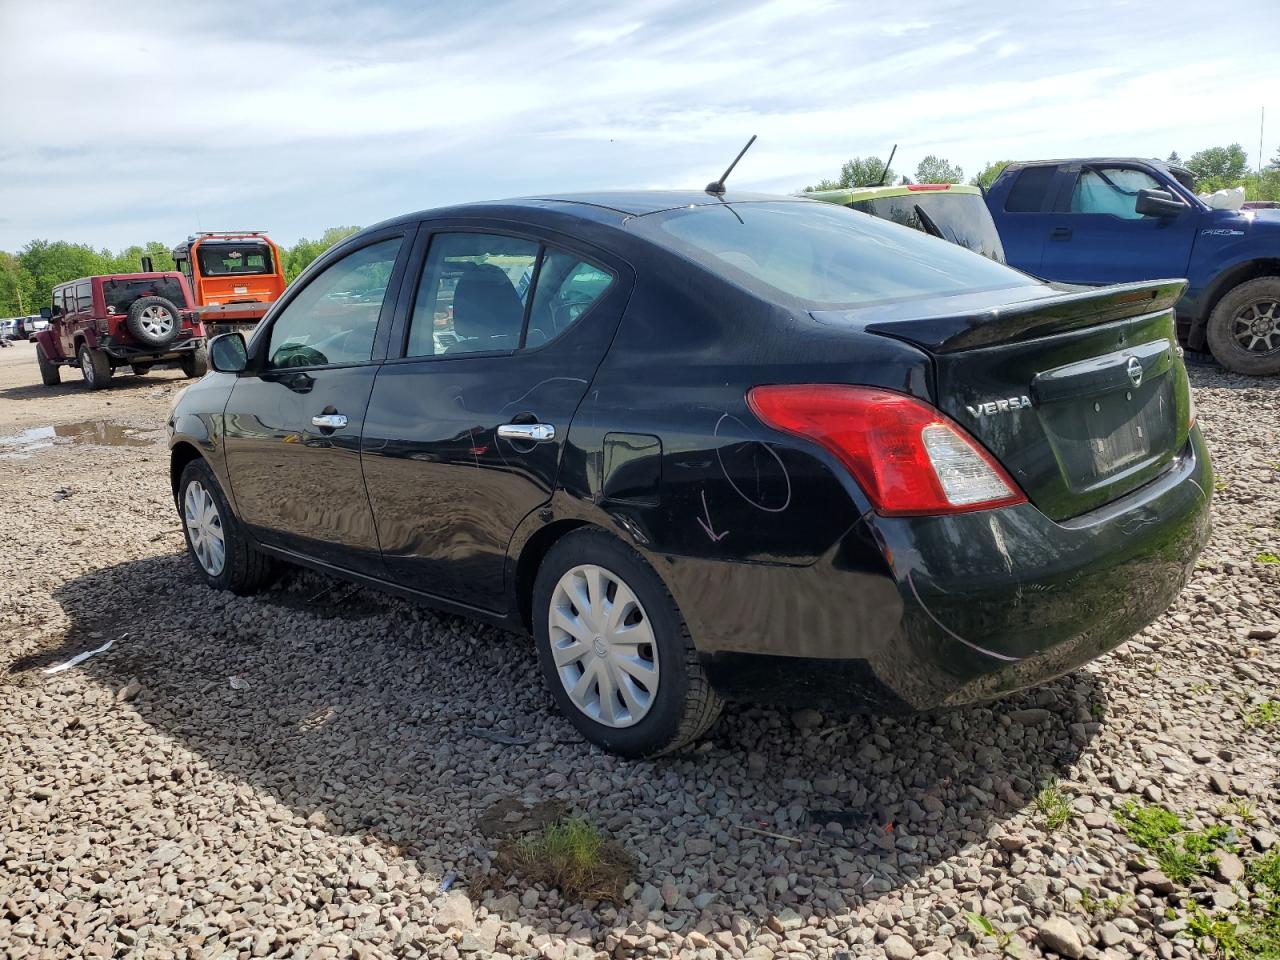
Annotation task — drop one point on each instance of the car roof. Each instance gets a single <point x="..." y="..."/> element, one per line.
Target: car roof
<point x="1150" y="161"/>
<point x="605" y="205"/>
<point x="852" y="194"/>
<point x="154" y="274"/>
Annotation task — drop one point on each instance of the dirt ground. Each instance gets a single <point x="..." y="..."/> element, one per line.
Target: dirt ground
<point x="303" y="773"/>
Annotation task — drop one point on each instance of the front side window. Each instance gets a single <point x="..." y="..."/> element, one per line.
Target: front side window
<point x="120" y="295"/>
<point x="233" y="259"/>
<point x="1111" y="190"/>
<point x="472" y="295"/>
<point x="822" y="255"/>
<point x="334" y="318"/>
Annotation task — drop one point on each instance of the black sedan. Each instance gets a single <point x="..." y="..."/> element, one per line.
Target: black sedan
<point x="704" y="447"/>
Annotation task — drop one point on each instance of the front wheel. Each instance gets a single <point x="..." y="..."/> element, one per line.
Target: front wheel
<point x="196" y="363"/>
<point x="615" y="651"/>
<point x="50" y="375"/>
<point x="1244" y="328"/>
<point x="95" y="367"/>
<point x="223" y="555"/>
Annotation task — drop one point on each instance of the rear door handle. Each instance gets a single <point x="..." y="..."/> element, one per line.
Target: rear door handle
<point x="1060" y="233"/>
<point x="528" y="432"/>
<point x="329" y="421"/>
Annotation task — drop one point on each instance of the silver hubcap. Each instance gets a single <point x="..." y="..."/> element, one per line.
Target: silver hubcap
<point x="603" y="646"/>
<point x="1257" y="327"/>
<point x="156" y="320"/>
<point x="86" y="366"/>
<point x="204" y="527"/>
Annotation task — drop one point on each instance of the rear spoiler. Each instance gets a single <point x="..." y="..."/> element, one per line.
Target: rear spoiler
<point x="1031" y="319"/>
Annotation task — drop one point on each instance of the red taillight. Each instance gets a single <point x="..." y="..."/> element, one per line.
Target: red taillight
<point x="928" y="186"/>
<point x="907" y="456"/>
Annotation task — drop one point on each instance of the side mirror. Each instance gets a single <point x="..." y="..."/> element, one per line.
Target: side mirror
<point x="1158" y="203"/>
<point x="46" y="313"/>
<point x="228" y="353"/>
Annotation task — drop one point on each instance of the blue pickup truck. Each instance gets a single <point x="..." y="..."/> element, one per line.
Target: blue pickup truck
<point x="1101" y="221"/>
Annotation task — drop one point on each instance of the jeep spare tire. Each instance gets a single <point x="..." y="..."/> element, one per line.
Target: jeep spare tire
<point x="153" y="321"/>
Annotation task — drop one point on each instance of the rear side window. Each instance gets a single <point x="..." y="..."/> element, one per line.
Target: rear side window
<point x="1028" y="191"/>
<point x="484" y="293"/>
<point x="84" y="297"/>
<point x="820" y="254"/>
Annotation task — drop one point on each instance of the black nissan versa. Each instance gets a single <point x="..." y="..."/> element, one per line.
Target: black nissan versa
<point x="705" y="447"/>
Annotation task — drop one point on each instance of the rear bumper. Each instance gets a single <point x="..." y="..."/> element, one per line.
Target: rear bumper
<point x="956" y="609"/>
<point x="129" y="353"/>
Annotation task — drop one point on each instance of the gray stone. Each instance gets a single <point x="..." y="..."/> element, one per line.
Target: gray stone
<point x="1058" y="934"/>
<point x="898" y="948"/>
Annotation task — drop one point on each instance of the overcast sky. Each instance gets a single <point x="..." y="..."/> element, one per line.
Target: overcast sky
<point x="127" y="122"/>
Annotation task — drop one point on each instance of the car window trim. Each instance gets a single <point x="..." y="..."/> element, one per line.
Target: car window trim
<point x="261" y="342"/>
<point x="514" y="230"/>
<point x="1078" y="170"/>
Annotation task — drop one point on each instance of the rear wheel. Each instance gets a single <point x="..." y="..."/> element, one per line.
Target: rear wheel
<point x="223" y="555"/>
<point x="615" y="651"/>
<point x="95" y="367"/>
<point x="50" y="375"/>
<point x="1244" y="328"/>
<point x="195" y="363"/>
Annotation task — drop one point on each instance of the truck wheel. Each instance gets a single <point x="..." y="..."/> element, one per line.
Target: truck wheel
<point x="153" y="321"/>
<point x="50" y="375"/>
<point x="196" y="363"/>
<point x="95" y="367"/>
<point x="1244" y="328"/>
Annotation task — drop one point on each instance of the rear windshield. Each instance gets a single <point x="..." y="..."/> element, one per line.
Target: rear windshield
<point x="962" y="218"/>
<point x="823" y="255"/>
<point x="121" y="294"/>
<point x="233" y="259"/>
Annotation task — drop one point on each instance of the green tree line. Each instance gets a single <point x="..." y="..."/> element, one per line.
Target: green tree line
<point x="1214" y="168"/>
<point x="27" y="277"/>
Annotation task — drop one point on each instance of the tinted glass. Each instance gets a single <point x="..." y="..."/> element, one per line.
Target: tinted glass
<point x="233" y="259"/>
<point x="962" y="218"/>
<point x="334" y="318"/>
<point x="821" y="254"/>
<point x="1028" y="191"/>
<point x="567" y="287"/>
<point x="472" y="295"/>
<point x="120" y="294"/>
<point x="1111" y="190"/>
<point x="84" y="297"/>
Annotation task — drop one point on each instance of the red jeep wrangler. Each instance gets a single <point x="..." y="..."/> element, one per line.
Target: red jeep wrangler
<point x="128" y="319"/>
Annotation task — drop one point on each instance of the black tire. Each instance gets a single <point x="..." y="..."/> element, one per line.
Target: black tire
<point x="50" y="375"/>
<point x="196" y="363"/>
<point x="684" y="705"/>
<point x="1259" y="297"/>
<point x="245" y="568"/>
<point x="153" y="321"/>
<point x="95" y="367"/>
<point x="140" y="369"/>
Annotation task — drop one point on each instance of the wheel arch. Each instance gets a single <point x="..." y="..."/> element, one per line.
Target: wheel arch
<point x="183" y="453"/>
<point x="530" y="559"/>
<point x="1226" y="281"/>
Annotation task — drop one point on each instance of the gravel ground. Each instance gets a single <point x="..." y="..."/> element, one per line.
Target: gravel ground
<point x="295" y="775"/>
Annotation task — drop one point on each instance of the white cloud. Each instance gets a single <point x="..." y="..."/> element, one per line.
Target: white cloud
<point x="172" y="116"/>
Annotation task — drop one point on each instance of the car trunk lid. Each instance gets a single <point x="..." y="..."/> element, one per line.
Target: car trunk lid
<point x="1081" y="396"/>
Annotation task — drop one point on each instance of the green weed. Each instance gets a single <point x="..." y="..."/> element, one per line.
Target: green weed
<point x="1053" y="806"/>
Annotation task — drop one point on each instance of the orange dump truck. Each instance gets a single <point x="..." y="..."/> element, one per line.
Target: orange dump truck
<point x="234" y="277"/>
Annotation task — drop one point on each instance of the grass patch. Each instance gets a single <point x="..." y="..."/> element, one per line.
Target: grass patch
<point x="571" y="855"/>
<point x="1051" y="803"/>
<point x="1181" y="854"/>
<point x="1265" y="714"/>
<point x="1104" y="909"/>
<point x="1266" y="557"/>
<point x="1251" y="930"/>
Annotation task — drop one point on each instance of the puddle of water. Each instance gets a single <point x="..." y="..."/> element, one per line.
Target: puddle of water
<point x="99" y="433"/>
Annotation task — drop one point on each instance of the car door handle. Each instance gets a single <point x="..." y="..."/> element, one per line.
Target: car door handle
<point x="1060" y="233"/>
<point x="329" y="421"/>
<point x="528" y="432"/>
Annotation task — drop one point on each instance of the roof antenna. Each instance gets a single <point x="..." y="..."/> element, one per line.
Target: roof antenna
<point x="885" y="172"/>
<point x="716" y="187"/>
